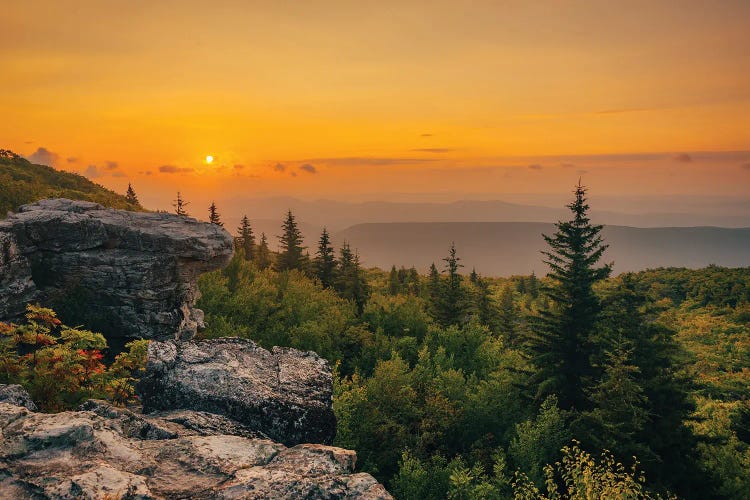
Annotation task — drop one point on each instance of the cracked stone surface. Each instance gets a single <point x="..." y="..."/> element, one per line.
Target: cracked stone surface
<point x="125" y="274"/>
<point x="284" y="393"/>
<point x="102" y="451"/>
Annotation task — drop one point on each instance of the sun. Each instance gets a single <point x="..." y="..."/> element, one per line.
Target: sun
<point x="209" y="159"/>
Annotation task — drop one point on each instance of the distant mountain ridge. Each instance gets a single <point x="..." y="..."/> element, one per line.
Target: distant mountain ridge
<point x="506" y="248"/>
<point x="23" y="182"/>
<point x="338" y="215"/>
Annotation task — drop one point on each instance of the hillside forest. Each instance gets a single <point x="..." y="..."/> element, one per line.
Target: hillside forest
<point x="455" y="385"/>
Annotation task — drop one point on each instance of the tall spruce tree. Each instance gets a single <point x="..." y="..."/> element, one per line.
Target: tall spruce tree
<point x="131" y="197"/>
<point x="291" y="250"/>
<point x="394" y="285"/>
<point x="213" y="215"/>
<point x="508" y="317"/>
<point x="180" y="205"/>
<point x="246" y="238"/>
<point x="325" y="260"/>
<point x="561" y="342"/>
<point x="351" y="283"/>
<point x="263" y="254"/>
<point x="451" y="306"/>
<point x="641" y="405"/>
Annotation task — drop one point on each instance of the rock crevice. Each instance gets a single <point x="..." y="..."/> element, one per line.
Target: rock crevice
<point x="125" y="274"/>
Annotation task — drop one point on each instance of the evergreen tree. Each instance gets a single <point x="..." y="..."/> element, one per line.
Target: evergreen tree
<point x="474" y="277"/>
<point x="246" y="238"/>
<point x="561" y="343"/>
<point x="325" y="260"/>
<point x="350" y="282"/>
<point x="393" y="282"/>
<point x="652" y="424"/>
<point x="213" y="215"/>
<point x="508" y="316"/>
<point x="179" y="205"/>
<point x="131" y="197"/>
<point x="451" y="304"/>
<point x="413" y="281"/>
<point x="263" y="255"/>
<point x="290" y="254"/>
<point x="533" y="285"/>
<point x="433" y="284"/>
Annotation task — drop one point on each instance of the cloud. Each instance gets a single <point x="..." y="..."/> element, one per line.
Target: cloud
<point x="279" y="167"/>
<point x="239" y="167"/>
<point x="71" y="159"/>
<point x="358" y="161"/>
<point x="434" y="150"/>
<point x="43" y="156"/>
<point x="110" y="165"/>
<point x="568" y="165"/>
<point x="92" y="172"/>
<point x="682" y="158"/>
<point x="310" y="169"/>
<point x="535" y="166"/>
<point x="294" y="174"/>
<point x="118" y="174"/>
<point x="426" y="135"/>
<point x="147" y="172"/>
<point x="171" y="169"/>
<point x="582" y="172"/>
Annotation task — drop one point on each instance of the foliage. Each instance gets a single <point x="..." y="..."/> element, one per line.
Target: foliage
<point x="61" y="366"/>
<point x="24" y="182"/>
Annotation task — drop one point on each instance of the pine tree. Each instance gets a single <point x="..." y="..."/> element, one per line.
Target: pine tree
<point x="474" y="277"/>
<point x="485" y="307"/>
<point x="664" y="444"/>
<point x="131" y="197"/>
<point x="433" y="284"/>
<point x="325" y="260"/>
<point x="508" y="316"/>
<point x="533" y="285"/>
<point x="350" y="281"/>
<point x="561" y="343"/>
<point x="290" y="253"/>
<point x="393" y="282"/>
<point x="263" y="255"/>
<point x="451" y="304"/>
<point x="213" y="215"/>
<point x="246" y="239"/>
<point x="179" y="205"/>
<point x="413" y="281"/>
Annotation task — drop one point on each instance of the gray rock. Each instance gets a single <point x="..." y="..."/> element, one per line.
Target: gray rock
<point x="284" y="394"/>
<point x="126" y="274"/>
<point x="101" y="453"/>
<point x="16" y="395"/>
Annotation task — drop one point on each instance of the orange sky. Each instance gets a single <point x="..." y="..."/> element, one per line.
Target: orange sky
<point x="361" y="99"/>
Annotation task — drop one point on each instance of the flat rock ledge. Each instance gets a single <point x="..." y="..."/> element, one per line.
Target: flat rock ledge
<point x="284" y="394"/>
<point x="102" y="452"/>
<point x="125" y="274"/>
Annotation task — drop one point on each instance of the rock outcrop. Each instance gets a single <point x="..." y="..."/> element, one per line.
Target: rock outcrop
<point x="284" y="394"/>
<point x="107" y="452"/>
<point x="16" y="395"/>
<point x="126" y="274"/>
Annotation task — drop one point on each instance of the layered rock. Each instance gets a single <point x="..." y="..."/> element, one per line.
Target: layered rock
<point x="106" y="452"/>
<point x="126" y="274"/>
<point x="284" y="394"/>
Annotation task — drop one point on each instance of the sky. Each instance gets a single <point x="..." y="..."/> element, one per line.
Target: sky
<point x="428" y="100"/>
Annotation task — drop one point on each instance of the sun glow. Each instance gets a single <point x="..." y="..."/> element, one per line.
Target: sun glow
<point x="209" y="159"/>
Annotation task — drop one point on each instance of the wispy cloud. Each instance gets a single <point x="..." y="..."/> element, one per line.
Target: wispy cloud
<point x="535" y="166"/>
<point x="434" y="150"/>
<point x="110" y="165"/>
<point x="310" y="169"/>
<point x="43" y="156"/>
<point x="239" y="167"/>
<point x="92" y="172"/>
<point x="71" y="159"/>
<point x="279" y="167"/>
<point x="172" y="169"/>
<point x="363" y="161"/>
<point x="682" y="158"/>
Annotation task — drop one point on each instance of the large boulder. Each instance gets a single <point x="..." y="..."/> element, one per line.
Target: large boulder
<point x="107" y="452"/>
<point x="126" y="274"/>
<point x="284" y="394"/>
<point x="16" y="395"/>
